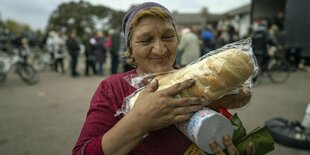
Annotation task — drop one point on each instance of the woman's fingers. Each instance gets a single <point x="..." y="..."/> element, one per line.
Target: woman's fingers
<point x="177" y="88"/>
<point x="186" y="110"/>
<point x="216" y="148"/>
<point x="152" y="86"/>
<point x="250" y="149"/>
<point x="206" y="101"/>
<point x="182" y="106"/>
<point x="232" y="150"/>
<point x="183" y="102"/>
<point x="181" y="118"/>
<point x="164" y="108"/>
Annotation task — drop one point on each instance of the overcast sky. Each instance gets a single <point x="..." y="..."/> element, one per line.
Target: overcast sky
<point x="36" y="12"/>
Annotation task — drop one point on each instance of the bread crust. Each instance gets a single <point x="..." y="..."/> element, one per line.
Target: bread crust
<point x="215" y="77"/>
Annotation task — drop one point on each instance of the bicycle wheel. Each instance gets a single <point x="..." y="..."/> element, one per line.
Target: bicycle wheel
<point x="39" y="64"/>
<point x="2" y="77"/>
<point x="28" y="74"/>
<point x="278" y="71"/>
<point x="2" y="73"/>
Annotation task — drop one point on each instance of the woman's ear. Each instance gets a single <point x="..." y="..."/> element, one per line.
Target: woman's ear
<point x="133" y="60"/>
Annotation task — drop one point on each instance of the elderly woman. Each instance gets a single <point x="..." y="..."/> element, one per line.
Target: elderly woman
<point x="152" y="42"/>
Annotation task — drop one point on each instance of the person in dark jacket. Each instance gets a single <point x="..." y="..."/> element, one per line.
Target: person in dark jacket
<point x="260" y="42"/>
<point x="207" y="38"/>
<point x="90" y="47"/>
<point x="116" y="39"/>
<point x="74" y="49"/>
<point x="100" y="52"/>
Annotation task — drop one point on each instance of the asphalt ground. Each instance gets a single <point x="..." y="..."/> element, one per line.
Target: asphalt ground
<point x="46" y="118"/>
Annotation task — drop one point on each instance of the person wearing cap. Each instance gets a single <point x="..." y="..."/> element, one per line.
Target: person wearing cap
<point x="151" y="41"/>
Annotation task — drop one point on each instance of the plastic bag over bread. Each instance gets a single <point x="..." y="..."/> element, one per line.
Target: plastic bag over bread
<point x="215" y="75"/>
<point x="225" y="71"/>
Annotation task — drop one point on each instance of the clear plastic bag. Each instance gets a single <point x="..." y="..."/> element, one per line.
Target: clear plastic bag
<point x="224" y="71"/>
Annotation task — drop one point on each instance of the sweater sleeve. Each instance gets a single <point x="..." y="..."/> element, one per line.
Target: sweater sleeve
<point x="100" y="118"/>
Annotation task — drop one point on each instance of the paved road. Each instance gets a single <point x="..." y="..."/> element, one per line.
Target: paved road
<point x="46" y="118"/>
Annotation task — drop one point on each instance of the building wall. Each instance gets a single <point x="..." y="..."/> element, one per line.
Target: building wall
<point x="261" y="10"/>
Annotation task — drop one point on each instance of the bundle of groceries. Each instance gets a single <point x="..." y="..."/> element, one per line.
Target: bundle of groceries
<point x="224" y="77"/>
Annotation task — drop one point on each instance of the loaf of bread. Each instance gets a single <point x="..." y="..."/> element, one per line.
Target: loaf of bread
<point x="232" y="101"/>
<point x="215" y="75"/>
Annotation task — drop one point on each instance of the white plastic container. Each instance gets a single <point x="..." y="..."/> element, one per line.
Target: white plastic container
<point x="206" y="125"/>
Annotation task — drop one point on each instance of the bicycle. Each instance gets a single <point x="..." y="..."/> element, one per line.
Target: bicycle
<point x="41" y="60"/>
<point x="16" y="58"/>
<point x="276" y="67"/>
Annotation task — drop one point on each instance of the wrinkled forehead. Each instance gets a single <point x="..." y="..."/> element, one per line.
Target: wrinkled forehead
<point x="153" y="25"/>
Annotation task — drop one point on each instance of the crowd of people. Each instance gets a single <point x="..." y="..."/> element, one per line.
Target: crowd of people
<point x="267" y="36"/>
<point x="95" y="48"/>
<point x="195" y="41"/>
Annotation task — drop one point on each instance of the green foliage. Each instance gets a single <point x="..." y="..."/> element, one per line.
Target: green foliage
<point x="260" y="137"/>
<point x="14" y="26"/>
<point x="83" y="17"/>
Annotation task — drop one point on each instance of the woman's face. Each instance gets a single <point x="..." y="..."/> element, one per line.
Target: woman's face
<point x="154" y="44"/>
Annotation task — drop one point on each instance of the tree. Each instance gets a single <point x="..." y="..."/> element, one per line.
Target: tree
<point x="83" y="17"/>
<point x="16" y="27"/>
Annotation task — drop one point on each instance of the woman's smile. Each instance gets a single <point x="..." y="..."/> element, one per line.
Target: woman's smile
<point x="159" y="60"/>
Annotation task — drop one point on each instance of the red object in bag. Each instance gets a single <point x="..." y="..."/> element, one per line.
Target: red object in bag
<point x="224" y="112"/>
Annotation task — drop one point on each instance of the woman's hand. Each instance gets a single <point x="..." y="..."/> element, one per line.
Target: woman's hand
<point x="231" y="149"/>
<point x="157" y="109"/>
